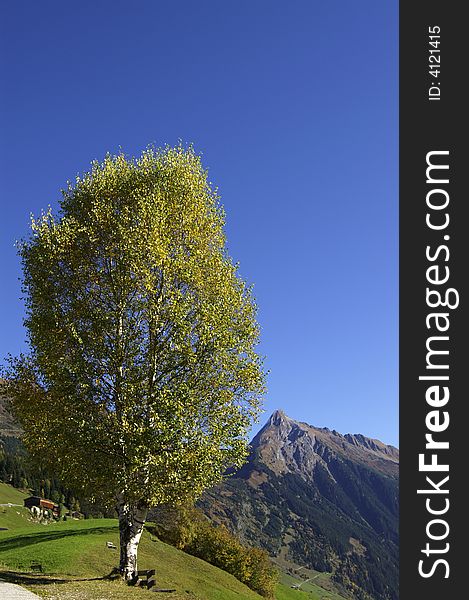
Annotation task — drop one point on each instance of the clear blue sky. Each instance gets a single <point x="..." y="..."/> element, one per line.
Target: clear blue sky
<point x="294" y="106"/>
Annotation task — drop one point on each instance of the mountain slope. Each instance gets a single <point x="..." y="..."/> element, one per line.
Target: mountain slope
<point x="315" y="498"/>
<point x="8" y="425"/>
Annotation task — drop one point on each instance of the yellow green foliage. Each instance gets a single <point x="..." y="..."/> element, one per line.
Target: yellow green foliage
<point x="188" y="530"/>
<point x="142" y="376"/>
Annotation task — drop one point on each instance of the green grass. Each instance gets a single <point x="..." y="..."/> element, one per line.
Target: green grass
<point x="76" y="561"/>
<point x="13" y="517"/>
<point x="77" y="550"/>
<point x="70" y="547"/>
<point x="286" y="593"/>
<point x="11" y="494"/>
<point x="307" y="592"/>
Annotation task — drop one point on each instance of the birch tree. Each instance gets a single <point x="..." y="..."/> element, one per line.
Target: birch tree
<point x="142" y="375"/>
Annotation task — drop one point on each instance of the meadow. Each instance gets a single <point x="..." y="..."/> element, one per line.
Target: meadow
<point x="76" y="562"/>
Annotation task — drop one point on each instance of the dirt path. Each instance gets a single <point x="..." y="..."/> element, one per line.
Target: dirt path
<point x="10" y="591"/>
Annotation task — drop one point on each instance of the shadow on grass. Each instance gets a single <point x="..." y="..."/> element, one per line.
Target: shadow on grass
<point x="34" y="579"/>
<point x="49" y="536"/>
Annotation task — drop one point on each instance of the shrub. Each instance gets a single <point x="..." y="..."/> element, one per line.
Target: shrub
<point x="189" y="530"/>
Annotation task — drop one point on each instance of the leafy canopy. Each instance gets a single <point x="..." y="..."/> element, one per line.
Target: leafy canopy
<point x="142" y="375"/>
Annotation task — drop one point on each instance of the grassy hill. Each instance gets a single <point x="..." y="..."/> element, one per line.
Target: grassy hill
<point x="11" y="495"/>
<point x="14" y="516"/>
<point x="75" y="561"/>
<point x="75" y="550"/>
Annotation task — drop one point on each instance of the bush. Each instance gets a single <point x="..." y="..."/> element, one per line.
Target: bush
<point x="189" y="530"/>
<point x="176" y="526"/>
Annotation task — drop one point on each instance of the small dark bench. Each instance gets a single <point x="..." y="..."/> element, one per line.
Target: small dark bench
<point x="149" y="578"/>
<point x="150" y="582"/>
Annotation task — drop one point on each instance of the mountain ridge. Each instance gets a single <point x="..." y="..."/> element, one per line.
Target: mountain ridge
<point x="357" y="439"/>
<point x="318" y="499"/>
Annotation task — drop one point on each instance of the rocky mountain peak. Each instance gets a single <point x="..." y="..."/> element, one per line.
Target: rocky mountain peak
<point x="320" y="500"/>
<point x="277" y="417"/>
<point x="284" y="445"/>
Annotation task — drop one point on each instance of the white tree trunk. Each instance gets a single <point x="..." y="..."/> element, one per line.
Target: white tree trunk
<point x="131" y="521"/>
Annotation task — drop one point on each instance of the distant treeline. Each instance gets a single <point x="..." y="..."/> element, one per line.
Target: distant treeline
<point x="17" y="469"/>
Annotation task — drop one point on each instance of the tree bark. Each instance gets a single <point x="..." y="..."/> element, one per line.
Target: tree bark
<point x="131" y="521"/>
